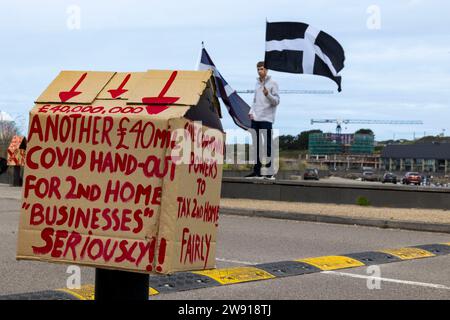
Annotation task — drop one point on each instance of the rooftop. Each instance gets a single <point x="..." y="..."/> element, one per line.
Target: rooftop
<point x="417" y="151"/>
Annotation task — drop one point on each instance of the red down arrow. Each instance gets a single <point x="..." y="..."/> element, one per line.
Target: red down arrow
<point x="120" y="90"/>
<point x="66" y="95"/>
<point x="158" y="104"/>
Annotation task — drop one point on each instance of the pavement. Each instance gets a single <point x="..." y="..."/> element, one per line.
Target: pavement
<point x="276" y="211"/>
<point x="244" y="241"/>
<point x="432" y="220"/>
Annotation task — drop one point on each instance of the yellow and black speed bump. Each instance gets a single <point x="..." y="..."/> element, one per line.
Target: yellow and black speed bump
<point x="287" y="268"/>
<point x="373" y="257"/>
<point x="181" y="281"/>
<point x="41" y="295"/>
<point x="86" y="292"/>
<point x="218" y="277"/>
<point x="327" y="263"/>
<point x="236" y="275"/>
<point x="409" y="253"/>
<point x="437" y="249"/>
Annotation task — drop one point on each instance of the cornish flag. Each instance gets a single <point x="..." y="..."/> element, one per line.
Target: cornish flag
<point x="237" y="108"/>
<point x="297" y="47"/>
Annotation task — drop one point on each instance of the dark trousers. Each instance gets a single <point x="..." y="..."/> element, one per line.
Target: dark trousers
<point x="263" y="135"/>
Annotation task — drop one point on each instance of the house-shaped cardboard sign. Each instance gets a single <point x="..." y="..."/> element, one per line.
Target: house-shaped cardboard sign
<point x="123" y="171"/>
<point x="16" y="151"/>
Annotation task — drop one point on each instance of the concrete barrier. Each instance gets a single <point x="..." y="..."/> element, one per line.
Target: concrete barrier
<point x="305" y="191"/>
<point x="282" y="174"/>
<point x="11" y="177"/>
<point x="4" y="178"/>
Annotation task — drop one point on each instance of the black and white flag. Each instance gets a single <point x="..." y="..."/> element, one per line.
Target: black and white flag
<point x="297" y="47"/>
<point x="236" y="106"/>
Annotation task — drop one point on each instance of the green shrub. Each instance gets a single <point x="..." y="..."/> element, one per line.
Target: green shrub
<point x="362" y="201"/>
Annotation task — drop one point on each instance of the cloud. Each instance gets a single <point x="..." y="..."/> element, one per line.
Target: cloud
<point x="400" y="71"/>
<point x="4" y="116"/>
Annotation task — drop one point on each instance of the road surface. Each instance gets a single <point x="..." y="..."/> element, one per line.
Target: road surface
<point x="249" y="240"/>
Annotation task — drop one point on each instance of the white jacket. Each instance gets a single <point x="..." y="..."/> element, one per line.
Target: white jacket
<point x="264" y="107"/>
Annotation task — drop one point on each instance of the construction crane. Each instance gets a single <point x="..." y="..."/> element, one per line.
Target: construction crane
<point x="292" y="91"/>
<point x="339" y="122"/>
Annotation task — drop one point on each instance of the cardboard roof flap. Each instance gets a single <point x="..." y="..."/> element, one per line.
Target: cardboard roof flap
<point x="207" y="109"/>
<point x="170" y="87"/>
<point x="120" y="86"/>
<point x="75" y="87"/>
<point x="211" y="85"/>
<point x="154" y="87"/>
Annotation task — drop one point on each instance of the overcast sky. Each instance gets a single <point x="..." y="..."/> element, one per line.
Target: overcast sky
<point x="396" y="68"/>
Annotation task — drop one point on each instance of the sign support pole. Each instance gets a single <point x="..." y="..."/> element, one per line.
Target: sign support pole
<point x="16" y="177"/>
<point x="120" y="285"/>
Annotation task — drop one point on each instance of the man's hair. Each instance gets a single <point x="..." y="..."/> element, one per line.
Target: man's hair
<point x="260" y="64"/>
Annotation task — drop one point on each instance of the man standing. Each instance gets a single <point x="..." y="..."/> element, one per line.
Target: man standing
<point x="262" y="114"/>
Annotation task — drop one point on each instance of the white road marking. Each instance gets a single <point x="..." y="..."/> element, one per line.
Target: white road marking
<point x="236" y="261"/>
<point x="359" y="276"/>
<point x="413" y="283"/>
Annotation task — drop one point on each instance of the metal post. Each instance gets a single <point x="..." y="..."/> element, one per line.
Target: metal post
<point x="16" y="177"/>
<point x="120" y="285"/>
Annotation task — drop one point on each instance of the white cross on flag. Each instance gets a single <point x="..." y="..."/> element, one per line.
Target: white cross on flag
<point x="297" y="47"/>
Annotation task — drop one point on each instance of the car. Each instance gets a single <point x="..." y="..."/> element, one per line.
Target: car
<point x="369" y="176"/>
<point x="389" y="177"/>
<point x="311" y="174"/>
<point x="412" y="178"/>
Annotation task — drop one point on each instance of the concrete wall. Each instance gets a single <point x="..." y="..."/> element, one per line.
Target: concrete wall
<point x="5" y="177"/>
<point x="282" y="174"/>
<point x="8" y="176"/>
<point x="304" y="191"/>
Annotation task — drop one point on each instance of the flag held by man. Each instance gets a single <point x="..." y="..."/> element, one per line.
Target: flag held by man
<point x="297" y="47"/>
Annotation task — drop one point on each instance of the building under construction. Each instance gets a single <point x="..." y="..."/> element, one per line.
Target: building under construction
<point x="335" y="143"/>
<point x="347" y="151"/>
<point x="343" y="151"/>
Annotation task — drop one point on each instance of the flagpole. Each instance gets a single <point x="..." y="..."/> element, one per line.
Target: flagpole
<point x="199" y="57"/>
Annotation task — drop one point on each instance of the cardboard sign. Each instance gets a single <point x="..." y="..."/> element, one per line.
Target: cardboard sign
<point x="75" y="87"/>
<point x="124" y="183"/>
<point x="16" y="151"/>
<point x="121" y="85"/>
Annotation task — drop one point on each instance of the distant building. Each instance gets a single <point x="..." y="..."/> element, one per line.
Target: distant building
<point x="431" y="157"/>
<point x="334" y="143"/>
<point x="345" y="161"/>
<point x="342" y="151"/>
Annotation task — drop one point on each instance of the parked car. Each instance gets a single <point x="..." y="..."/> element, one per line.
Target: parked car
<point x="311" y="174"/>
<point x="389" y="177"/>
<point x="369" y="176"/>
<point x="412" y="178"/>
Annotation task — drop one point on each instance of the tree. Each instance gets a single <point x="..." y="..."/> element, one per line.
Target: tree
<point x="303" y="138"/>
<point x="365" y="131"/>
<point x="299" y="142"/>
<point x="286" y="142"/>
<point x="8" y="129"/>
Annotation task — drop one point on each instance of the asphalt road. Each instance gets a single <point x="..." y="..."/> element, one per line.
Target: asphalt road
<point x="247" y="240"/>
